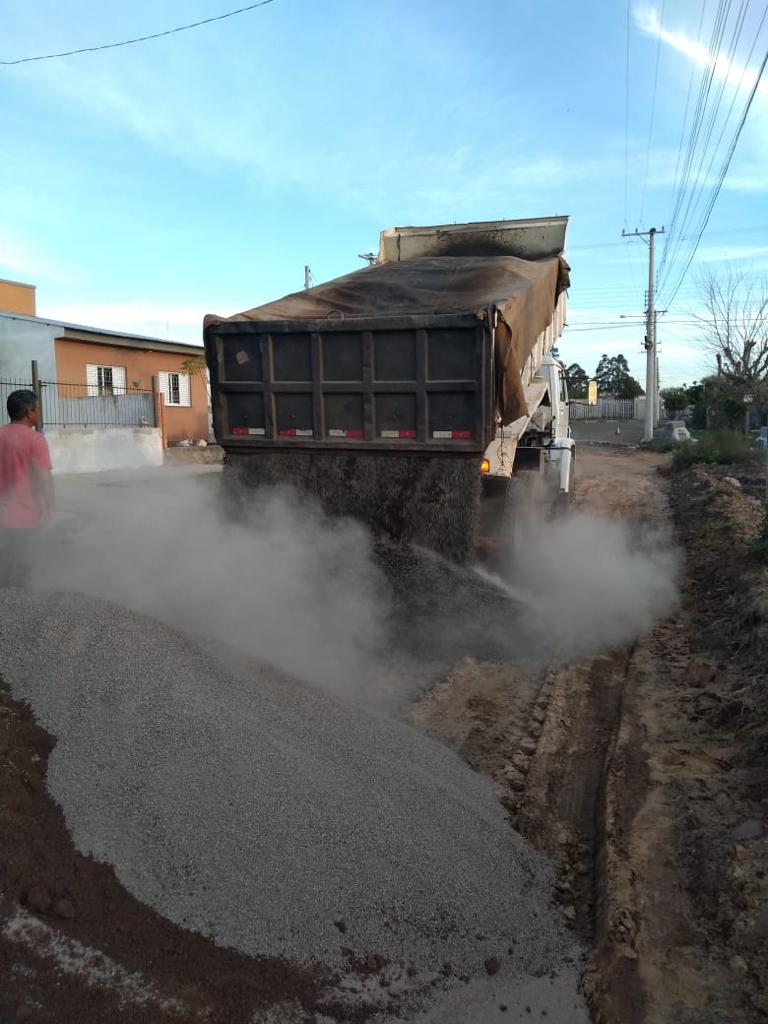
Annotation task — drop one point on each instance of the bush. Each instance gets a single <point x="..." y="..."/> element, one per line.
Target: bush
<point x="760" y="546"/>
<point x="661" y="445"/>
<point x="722" y="448"/>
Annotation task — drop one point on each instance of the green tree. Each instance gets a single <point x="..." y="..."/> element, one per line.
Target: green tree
<point x="675" y="399"/>
<point x="628" y="387"/>
<point x="614" y="379"/>
<point x="577" y="379"/>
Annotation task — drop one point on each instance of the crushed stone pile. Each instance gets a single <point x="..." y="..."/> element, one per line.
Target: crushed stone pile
<point x="443" y="611"/>
<point x="263" y="813"/>
<point x="430" y="501"/>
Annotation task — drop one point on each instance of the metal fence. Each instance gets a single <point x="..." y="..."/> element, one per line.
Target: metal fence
<point x="76" y="405"/>
<point x="607" y="409"/>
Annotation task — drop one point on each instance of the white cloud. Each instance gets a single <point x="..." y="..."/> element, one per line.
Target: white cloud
<point x="156" y="320"/>
<point x="740" y="76"/>
<point x="18" y="257"/>
<point x="724" y="253"/>
<point x="345" y="150"/>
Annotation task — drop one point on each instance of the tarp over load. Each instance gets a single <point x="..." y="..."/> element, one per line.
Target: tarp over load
<point x="523" y="292"/>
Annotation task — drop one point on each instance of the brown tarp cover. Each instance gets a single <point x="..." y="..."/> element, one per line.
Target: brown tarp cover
<point x="523" y="291"/>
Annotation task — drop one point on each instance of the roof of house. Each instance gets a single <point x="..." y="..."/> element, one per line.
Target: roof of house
<point x="102" y="336"/>
<point x="17" y="284"/>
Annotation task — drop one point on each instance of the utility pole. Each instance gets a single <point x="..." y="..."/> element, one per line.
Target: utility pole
<point x="650" y="333"/>
<point x="307" y="277"/>
<point x="657" y="406"/>
<point x="656" y="397"/>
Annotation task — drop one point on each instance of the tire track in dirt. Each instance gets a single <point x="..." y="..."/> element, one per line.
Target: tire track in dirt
<point x="603" y="766"/>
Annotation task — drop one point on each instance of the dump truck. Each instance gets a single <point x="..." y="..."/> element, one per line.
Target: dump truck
<point x="414" y="394"/>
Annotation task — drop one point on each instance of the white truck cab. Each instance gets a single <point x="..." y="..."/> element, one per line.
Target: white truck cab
<point x="540" y="441"/>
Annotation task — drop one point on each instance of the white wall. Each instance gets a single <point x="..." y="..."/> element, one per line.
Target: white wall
<point x="21" y="341"/>
<point x="91" y="450"/>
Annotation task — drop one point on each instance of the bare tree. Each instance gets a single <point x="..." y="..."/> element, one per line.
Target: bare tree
<point x="734" y="326"/>
<point x="196" y="366"/>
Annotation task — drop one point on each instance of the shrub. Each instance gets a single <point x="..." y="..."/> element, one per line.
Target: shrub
<point x="760" y="546"/>
<point x="722" y="447"/>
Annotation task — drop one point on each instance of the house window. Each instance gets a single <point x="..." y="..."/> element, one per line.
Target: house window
<point x="105" y="380"/>
<point x="175" y="388"/>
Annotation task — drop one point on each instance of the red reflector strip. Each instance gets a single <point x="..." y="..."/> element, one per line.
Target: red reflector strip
<point x="297" y="433"/>
<point x="399" y="433"/>
<point x="240" y="431"/>
<point x="453" y="435"/>
<point x="345" y="433"/>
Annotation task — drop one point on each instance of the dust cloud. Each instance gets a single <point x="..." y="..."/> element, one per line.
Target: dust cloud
<point x="587" y="583"/>
<point x="284" y="583"/>
<point x="317" y="598"/>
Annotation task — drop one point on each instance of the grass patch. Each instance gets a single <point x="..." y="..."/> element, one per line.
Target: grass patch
<point x="722" y="448"/>
<point x="661" y="446"/>
<point x="760" y="545"/>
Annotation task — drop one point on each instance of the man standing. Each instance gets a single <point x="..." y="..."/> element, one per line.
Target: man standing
<point x="26" y="488"/>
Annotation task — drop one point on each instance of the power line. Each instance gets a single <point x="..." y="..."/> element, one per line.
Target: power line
<point x="626" y="119"/>
<point x="653" y="109"/>
<point x="724" y="169"/>
<point x="725" y="231"/>
<point x="138" y="39"/>
<point x="697" y="189"/>
<point x="700" y="181"/>
<point x="608" y="325"/>
<point x="681" y="184"/>
<point x="687" y="105"/>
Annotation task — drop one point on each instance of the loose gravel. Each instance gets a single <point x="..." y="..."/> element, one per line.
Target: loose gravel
<point x="262" y="812"/>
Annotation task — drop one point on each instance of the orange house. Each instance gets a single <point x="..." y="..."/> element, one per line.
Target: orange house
<point x="105" y="363"/>
<point x="99" y="361"/>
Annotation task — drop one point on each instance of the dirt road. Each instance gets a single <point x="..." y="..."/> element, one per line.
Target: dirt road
<point x="641" y="771"/>
<point x="618" y="767"/>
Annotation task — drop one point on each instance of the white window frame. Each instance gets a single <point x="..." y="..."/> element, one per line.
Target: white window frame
<point x="176" y="388"/>
<point x="105" y="381"/>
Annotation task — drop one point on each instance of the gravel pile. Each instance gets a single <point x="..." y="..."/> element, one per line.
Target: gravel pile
<point x="443" y="611"/>
<point x="263" y="813"/>
<point x="431" y="501"/>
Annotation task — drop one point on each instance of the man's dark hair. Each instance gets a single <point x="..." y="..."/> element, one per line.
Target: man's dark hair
<point x="19" y="403"/>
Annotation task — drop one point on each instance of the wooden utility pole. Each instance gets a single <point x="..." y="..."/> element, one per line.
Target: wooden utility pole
<point x="650" y="333"/>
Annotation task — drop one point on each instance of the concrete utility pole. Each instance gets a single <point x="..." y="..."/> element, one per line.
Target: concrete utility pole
<point x="657" y="406"/>
<point x="307" y="277"/>
<point x="656" y="396"/>
<point x="651" y="397"/>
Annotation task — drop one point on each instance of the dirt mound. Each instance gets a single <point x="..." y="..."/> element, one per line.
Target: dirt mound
<point x="719" y="520"/>
<point x="77" y="948"/>
<point x="262" y="815"/>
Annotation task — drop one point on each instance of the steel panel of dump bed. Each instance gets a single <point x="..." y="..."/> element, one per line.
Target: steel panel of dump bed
<point x="422" y="383"/>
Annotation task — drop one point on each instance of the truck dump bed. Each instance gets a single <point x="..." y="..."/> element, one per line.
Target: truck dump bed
<point x="417" y="354"/>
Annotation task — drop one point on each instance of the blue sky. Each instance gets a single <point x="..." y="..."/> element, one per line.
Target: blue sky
<point x="142" y="187"/>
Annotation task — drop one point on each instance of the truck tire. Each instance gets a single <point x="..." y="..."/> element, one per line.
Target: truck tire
<point x="565" y="499"/>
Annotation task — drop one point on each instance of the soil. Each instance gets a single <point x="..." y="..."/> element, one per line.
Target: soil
<point x="643" y="772"/>
<point x="76" y="948"/>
